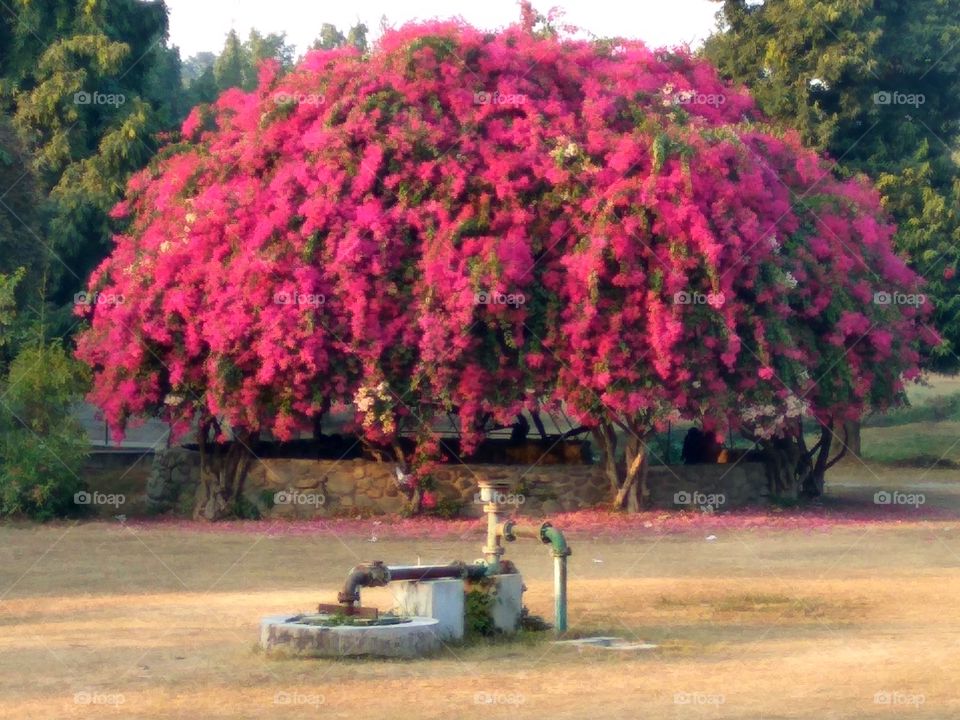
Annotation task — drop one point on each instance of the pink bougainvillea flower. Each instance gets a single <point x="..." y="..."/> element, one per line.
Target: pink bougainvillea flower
<point x="468" y="224"/>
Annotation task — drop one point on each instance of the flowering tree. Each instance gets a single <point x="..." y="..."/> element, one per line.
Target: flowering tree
<point x="472" y="223"/>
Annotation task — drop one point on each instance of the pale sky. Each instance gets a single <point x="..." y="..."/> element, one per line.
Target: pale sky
<point x="197" y="25"/>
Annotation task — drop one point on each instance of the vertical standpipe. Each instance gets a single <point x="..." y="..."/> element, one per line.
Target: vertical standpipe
<point x="561" y="551"/>
<point x="492" y="494"/>
<point x="548" y="535"/>
<point x="560" y="593"/>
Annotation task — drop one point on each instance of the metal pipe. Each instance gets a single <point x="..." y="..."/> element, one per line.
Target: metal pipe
<point x="548" y="535"/>
<point x="560" y="593"/>
<point x="491" y="492"/>
<point x="376" y="574"/>
<point x="561" y="551"/>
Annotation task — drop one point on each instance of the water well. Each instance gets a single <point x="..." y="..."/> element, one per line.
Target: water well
<point x="430" y="599"/>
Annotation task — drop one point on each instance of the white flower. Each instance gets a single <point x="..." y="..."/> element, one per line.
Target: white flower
<point x="789" y="279"/>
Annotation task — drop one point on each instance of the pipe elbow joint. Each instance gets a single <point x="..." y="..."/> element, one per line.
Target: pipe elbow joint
<point x="374" y="574"/>
<point x="549" y="535"/>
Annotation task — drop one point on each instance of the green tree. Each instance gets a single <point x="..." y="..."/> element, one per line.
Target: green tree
<point x="876" y="84"/>
<point x="88" y="87"/>
<point x="331" y="38"/>
<point x="8" y="285"/>
<point x="20" y="201"/>
<point x="357" y="36"/>
<point x="42" y="446"/>
<point x="232" y="67"/>
<point x="238" y="63"/>
<point x="264" y="47"/>
<point x="196" y="66"/>
<point x="199" y="79"/>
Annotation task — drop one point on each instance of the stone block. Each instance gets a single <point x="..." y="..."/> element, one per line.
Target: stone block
<point x="339" y="483"/>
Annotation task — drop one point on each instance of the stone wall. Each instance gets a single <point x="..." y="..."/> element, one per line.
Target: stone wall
<point x="296" y="488"/>
<point x="173" y="481"/>
<point x="329" y="488"/>
<point x="709" y="486"/>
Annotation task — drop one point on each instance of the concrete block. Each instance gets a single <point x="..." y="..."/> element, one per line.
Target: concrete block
<point x="507" y="602"/>
<point x="442" y="600"/>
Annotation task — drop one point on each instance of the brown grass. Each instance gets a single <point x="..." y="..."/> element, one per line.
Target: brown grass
<point x="777" y="624"/>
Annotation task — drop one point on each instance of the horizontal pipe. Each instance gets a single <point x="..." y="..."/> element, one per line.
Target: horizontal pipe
<point x="545" y="533"/>
<point x="376" y="574"/>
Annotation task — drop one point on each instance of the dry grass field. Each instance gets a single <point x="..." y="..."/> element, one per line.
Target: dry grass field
<point x="811" y="618"/>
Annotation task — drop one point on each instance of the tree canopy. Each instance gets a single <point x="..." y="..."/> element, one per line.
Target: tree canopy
<point x="875" y="85"/>
<point x="480" y="223"/>
<point x="85" y="89"/>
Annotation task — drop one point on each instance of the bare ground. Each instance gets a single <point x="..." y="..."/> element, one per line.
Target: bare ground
<point x="847" y="619"/>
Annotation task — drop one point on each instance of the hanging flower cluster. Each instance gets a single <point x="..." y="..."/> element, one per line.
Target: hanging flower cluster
<point x="375" y="406"/>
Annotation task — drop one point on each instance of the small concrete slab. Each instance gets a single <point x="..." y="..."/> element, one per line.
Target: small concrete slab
<point x="606" y="643"/>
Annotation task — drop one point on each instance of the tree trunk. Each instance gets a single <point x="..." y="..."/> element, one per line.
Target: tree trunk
<point x="223" y="470"/>
<point x="815" y="479"/>
<point x="793" y="470"/>
<point x="852" y="430"/>
<point x="785" y="460"/>
<point x="606" y="438"/>
<point x="627" y="476"/>
<point x="633" y="491"/>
